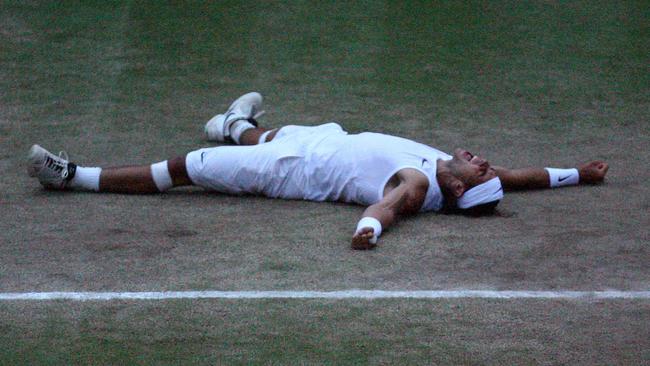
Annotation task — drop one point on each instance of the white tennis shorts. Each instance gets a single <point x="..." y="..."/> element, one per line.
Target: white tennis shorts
<point x="271" y="169"/>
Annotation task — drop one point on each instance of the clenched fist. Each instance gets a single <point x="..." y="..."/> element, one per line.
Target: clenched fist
<point x="592" y="172"/>
<point x="361" y="240"/>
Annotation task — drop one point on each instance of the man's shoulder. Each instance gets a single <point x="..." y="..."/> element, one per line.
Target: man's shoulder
<point x="413" y="178"/>
<point x="417" y="184"/>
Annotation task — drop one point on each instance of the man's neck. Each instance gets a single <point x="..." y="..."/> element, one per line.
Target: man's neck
<point x="444" y="178"/>
<point x="442" y="166"/>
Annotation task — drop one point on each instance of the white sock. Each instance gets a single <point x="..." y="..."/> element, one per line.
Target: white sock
<point x="238" y="128"/>
<point x="264" y="136"/>
<point x="86" y="179"/>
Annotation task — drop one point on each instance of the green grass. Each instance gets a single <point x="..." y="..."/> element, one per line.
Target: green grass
<point x="324" y="332"/>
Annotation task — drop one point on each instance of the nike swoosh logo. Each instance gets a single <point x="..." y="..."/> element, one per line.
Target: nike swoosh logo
<point x="562" y="178"/>
<point x="203" y="153"/>
<point x="424" y="161"/>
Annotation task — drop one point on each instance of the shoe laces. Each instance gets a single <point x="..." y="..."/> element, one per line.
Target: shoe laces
<point x="64" y="164"/>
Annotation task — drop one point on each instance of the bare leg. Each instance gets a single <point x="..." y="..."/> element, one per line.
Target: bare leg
<point x="537" y="178"/>
<point x="252" y="136"/>
<point x="138" y="179"/>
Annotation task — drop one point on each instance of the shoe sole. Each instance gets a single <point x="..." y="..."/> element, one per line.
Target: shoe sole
<point x="255" y="95"/>
<point x="212" y="124"/>
<point x="35" y="158"/>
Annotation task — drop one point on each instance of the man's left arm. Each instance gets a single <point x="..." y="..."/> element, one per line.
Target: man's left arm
<point x="538" y="178"/>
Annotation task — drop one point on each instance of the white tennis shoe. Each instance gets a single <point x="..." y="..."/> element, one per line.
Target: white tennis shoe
<point x="52" y="171"/>
<point x="247" y="107"/>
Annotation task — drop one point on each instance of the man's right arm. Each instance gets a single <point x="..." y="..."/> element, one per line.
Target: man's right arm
<point x="406" y="198"/>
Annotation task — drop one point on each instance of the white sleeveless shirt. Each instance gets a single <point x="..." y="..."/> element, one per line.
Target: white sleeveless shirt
<point x="337" y="166"/>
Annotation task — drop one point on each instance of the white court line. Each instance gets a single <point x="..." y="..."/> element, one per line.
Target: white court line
<point x="345" y="294"/>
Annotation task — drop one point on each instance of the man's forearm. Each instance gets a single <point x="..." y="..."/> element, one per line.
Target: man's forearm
<point x="525" y="178"/>
<point x="592" y="172"/>
<point x="404" y="199"/>
<point x="386" y="216"/>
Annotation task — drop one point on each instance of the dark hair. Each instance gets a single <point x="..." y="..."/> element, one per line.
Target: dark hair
<point x="481" y="210"/>
<point x="485" y="209"/>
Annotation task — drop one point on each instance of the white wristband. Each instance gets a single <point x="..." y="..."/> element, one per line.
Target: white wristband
<point x="562" y="177"/>
<point x="374" y="224"/>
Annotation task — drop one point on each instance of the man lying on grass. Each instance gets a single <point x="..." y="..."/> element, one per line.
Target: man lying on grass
<point x="393" y="176"/>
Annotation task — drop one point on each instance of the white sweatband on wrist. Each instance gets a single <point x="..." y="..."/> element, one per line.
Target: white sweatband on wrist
<point x="263" y="137"/>
<point x="563" y="177"/>
<point x="374" y="224"/>
<point x="161" y="176"/>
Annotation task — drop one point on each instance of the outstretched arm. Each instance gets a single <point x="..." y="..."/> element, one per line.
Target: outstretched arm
<point x="406" y="198"/>
<point x="538" y="178"/>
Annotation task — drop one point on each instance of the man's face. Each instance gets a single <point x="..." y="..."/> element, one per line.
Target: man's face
<point x="471" y="169"/>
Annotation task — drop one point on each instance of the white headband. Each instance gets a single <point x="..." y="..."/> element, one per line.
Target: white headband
<point x="483" y="193"/>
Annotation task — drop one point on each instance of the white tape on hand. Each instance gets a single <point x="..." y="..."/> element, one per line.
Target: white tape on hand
<point x="372" y="223"/>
